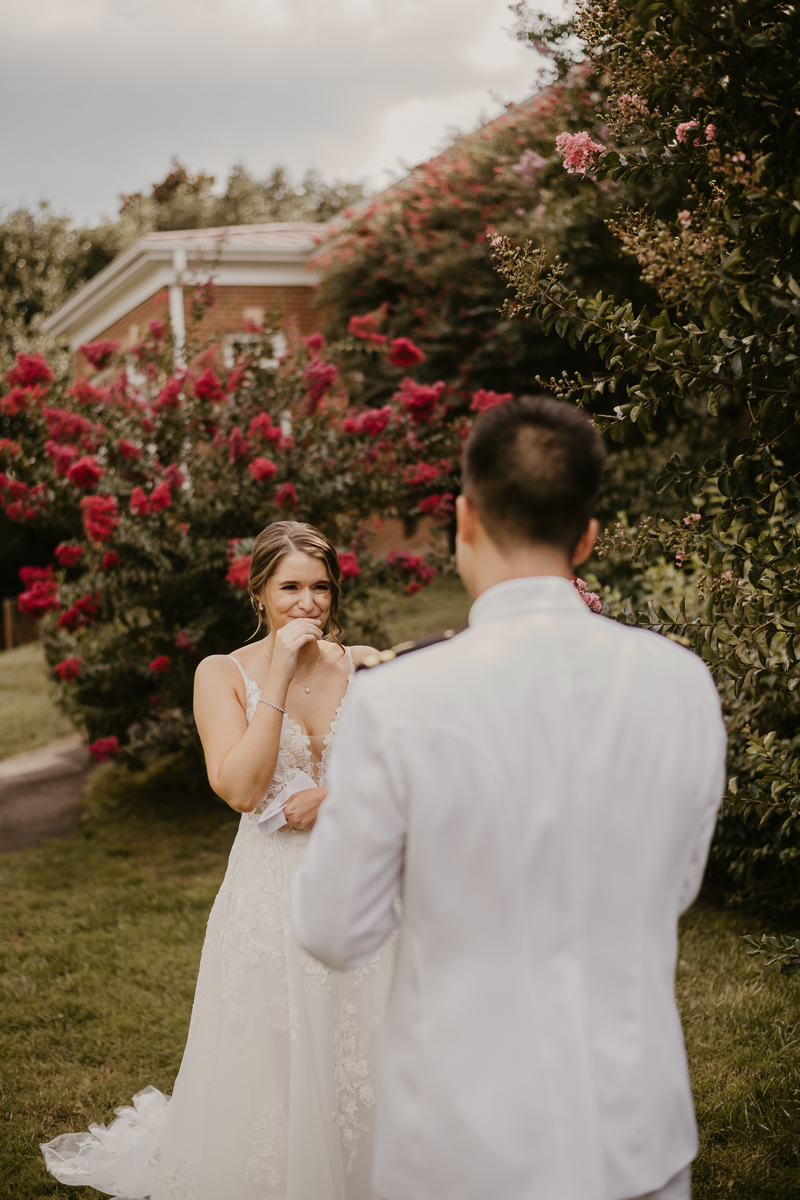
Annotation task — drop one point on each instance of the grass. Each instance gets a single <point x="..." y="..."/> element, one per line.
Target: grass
<point x="29" y="716"/>
<point x="444" y="604"/>
<point x="742" y="1026"/>
<point x="100" y="940"/>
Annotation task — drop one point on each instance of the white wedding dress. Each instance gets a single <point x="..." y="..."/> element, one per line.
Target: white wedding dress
<point x="275" y="1096"/>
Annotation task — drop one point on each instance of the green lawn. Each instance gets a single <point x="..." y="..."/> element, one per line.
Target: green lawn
<point x="100" y="940"/>
<point x="442" y="605"/>
<point x="28" y="713"/>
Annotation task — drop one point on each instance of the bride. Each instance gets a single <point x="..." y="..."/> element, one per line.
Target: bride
<point x="274" y="1098"/>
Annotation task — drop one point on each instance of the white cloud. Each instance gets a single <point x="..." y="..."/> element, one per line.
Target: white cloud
<point x="98" y="94"/>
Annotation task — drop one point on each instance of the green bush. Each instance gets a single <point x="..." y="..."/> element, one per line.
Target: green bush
<point x="708" y="95"/>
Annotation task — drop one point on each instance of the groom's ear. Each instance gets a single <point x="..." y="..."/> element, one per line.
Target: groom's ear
<point x="586" y="542"/>
<point x="466" y="519"/>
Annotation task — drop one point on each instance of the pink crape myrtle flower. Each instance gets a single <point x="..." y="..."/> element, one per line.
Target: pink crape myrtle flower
<point x="100" y="517"/>
<point x="68" y="668"/>
<point x="685" y="218"/>
<point x="28" y="370"/>
<point x="262" y="469"/>
<point x="529" y="165"/>
<point x="104" y="749"/>
<point x="711" y="132"/>
<point x="349" y="565"/>
<point x="239" y="571"/>
<point x="483" y="400"/>
<point x="99" y="354"/>
<point x="683" y="129"/>
<point x="139" y="502"/>
<point x="404" y="353"/>
<point x="85" y="472"/>
<point x="590" y="599"/>
<point x="41" y="591"/>
<point x="631" y="106"/>
<point x="68" y="556"/>
<point x="160" y="498"/>
<point x="578" y="151"/>
<point x="286" y="496"/>
<point x="687" y="520"/>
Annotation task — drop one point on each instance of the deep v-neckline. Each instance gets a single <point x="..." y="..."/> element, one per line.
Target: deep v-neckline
<point x="326" y="737"/>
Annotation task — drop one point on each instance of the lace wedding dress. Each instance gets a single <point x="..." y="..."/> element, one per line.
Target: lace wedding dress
<point x="275" y="1096"/>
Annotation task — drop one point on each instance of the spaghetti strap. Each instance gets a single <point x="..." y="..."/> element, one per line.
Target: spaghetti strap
<point x="352" y="670"/>
<point x="244" y="674"/>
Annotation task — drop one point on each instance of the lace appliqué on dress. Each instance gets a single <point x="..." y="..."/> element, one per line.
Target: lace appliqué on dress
<point x="268" y="1163"/>
<point x="318" y="973"/>
<point x="180" y="1182"/>
<point x="353" y="1084"/>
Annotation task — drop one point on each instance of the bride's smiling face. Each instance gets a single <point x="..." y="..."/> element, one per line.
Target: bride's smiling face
<point x="298" y="587"/>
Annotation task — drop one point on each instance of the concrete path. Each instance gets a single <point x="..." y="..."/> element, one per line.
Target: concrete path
<point x="40" y="793"/>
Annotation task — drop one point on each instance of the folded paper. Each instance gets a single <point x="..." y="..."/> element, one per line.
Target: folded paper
<point x="273" y="817"/>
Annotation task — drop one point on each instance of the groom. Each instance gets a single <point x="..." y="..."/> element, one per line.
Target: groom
<point x="541" y="790"/>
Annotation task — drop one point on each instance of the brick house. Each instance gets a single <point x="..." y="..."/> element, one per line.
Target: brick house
<point x="256" y="268"/>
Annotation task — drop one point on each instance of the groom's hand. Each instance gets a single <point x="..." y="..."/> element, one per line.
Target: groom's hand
<point x="301" y="808"/>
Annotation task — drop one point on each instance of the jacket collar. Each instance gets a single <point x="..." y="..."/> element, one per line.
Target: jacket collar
<point x="516" y="597"/>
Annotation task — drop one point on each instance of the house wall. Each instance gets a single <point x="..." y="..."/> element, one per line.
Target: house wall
<point x="390" y="534"/>
<point x="236" y="306"/>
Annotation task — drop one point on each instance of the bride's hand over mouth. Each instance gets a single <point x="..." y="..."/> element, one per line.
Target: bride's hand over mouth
<point x="289" y="641"/>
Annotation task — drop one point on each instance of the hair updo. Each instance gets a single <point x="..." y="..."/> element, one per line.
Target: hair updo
<point x="271" y="547"/>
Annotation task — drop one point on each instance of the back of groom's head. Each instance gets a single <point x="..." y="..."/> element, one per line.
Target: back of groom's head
<point x="532" y="470"/>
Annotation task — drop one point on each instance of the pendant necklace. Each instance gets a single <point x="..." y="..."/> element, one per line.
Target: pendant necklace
<point x="297" y="681"/>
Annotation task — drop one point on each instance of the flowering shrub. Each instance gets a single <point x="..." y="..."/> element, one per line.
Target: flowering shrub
<point x="414" y="263"/>
<point x="706" y="104"/>
<point x="162" y="485"/>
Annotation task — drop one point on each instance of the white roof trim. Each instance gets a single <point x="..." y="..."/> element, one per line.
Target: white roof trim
<point x="274" y="254"/>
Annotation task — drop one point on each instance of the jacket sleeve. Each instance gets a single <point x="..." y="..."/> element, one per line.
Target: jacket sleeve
<point x="705" y="742"/>
<point x="342" y="900"/>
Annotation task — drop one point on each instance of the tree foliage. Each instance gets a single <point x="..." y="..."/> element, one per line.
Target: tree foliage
<point x="707" y="94"/>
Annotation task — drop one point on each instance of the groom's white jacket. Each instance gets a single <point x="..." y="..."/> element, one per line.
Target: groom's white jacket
<point x="541" y="790"/>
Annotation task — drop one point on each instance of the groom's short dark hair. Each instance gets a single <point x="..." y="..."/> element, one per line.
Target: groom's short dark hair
<point x="532" y="470"/>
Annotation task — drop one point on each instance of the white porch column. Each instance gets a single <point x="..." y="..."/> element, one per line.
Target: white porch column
<point x="176" y="317"/>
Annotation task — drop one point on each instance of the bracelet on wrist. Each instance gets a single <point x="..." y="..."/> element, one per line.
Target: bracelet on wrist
<point x="271" y="705"/>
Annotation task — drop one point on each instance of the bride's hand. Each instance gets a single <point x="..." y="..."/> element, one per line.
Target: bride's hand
<point x="301" y="808"/>
<point x="289" y="641"/>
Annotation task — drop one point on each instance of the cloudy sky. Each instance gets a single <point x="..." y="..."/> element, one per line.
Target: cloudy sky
<point x="97" y="95"/>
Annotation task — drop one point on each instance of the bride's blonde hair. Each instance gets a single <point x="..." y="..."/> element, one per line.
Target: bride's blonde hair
<point x="271" y="547"/>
